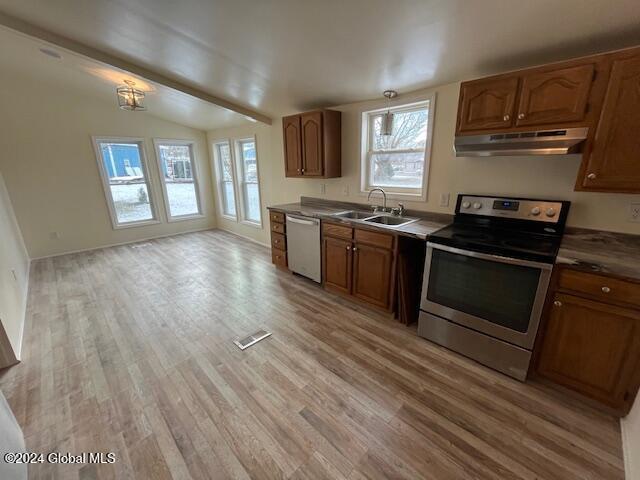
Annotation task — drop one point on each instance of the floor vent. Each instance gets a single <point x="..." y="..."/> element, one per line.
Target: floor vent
<point x="246" y="342"/>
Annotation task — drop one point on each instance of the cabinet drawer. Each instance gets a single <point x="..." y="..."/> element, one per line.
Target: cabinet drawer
<point x="600" y="287"/>
<point x="279" y="257"/>
<point x="277" y="227"/>
<point x="278" y="241"/>
<point x="340" y="231"/>
<point x="383" y="240"/>
<point x="277" y="217"/>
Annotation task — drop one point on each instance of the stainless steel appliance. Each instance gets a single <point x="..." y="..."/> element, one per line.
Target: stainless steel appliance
<point x="537" y="142"/>
<point x="486" y="278"/>
<point x="303" y="246"/>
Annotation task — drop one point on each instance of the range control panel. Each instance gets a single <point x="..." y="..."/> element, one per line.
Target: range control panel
<point x="522" y="209"/>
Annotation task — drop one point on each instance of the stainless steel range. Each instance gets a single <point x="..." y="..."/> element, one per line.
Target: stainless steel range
<point x="486" y="278"/>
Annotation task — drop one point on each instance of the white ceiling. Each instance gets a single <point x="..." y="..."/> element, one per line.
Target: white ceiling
<point x="278" y="56"/>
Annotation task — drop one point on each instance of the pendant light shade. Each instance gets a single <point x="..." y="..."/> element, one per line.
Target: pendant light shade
<point x="386" y="129"/>
<point x="130" y="98"/>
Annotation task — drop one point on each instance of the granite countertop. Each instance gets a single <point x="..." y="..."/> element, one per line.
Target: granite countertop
<point x="601" y="252"/>
<point x="323" y="209"/>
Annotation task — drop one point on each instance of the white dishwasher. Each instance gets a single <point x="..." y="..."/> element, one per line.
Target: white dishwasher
<point x="303" y="246"/>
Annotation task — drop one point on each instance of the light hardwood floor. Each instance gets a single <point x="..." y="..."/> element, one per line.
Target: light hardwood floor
<point x="129" y="350"/>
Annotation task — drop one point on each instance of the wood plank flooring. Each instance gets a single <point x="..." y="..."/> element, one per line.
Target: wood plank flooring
<point x="129" y="350"/>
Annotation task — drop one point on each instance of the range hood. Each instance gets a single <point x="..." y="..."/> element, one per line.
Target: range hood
<point x="538" y="142"/>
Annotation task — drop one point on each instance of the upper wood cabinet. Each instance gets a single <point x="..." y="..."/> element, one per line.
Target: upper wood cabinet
<point x="555" y="96"/>
<point x="487" y="104"/>
<point x="292" y="145"/>
<point x="613" y="164"/>
<point x="312" y="144"/>
<point x="547" y="97"/>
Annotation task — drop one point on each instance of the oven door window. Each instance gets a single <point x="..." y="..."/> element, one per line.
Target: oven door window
<point x="500" y="293"/>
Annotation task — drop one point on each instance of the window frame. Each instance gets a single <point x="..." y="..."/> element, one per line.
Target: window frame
<point x="366" y="135"/>
<point x="217" y="168"/>
<point x="106" y="187"/>
<point x="157" y="143"/>
<point x="240" y="183"/>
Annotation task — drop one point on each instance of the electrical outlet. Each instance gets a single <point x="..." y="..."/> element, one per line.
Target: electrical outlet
<point x="323" y="189"/>
<point x="15" y="277"/>
<point x="444" y="199"/>
<point x="634" y="212"/>
<point x="345" y="190"/>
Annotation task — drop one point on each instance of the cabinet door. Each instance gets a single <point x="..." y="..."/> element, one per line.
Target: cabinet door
<point x="292" y="146"/>
<point x="312" y="154"/>
<point x="593" y="348"/>
<point x="614" y="163"/>
<point x="487" y="104"/>
<point x="337" y="258"/>
<point x="558" y="96"/>
<point x="372" y="268"/>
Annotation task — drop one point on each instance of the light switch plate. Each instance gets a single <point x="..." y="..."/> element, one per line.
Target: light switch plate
<point x="323" y="188"/>
<point x="634" y="212"/>
<point x="444" y="199"/>
<point x="345" y="190"/>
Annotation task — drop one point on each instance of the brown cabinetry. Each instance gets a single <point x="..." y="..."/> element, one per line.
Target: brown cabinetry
<point x="312" y="144"/>
<point x="544" y="97"/>
<point x="613" y="164"/>
<point x="591" y="338"/>
<point x="278" y="239"/>
<point x="360" y="263"/>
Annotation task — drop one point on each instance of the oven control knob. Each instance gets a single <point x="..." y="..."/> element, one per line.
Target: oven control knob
<point x="551" y="212"/>
<point x="477" y="205"/>
<point x="466" y="204"/>
<point x="535" y="211"/>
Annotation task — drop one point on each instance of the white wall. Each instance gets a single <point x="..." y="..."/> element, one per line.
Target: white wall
<point x="631" y="441"/>
<point x="542" y="176"/>
<point x="14" y="273"/>
<point x="51" y="171"/>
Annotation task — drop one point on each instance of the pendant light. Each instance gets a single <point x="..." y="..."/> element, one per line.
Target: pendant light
<point x="387" y="119"/>
<point x="130" y="98"/>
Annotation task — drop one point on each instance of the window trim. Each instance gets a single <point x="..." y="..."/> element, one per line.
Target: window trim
<point x="157" y="142"/>
<point x="241" y="183"/>
<point x="217" y="168"/>
<point x="415" y="194"/>
<point x="104" y="177"/>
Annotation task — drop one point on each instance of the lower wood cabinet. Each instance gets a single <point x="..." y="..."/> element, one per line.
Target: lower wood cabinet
<point x="590" y="346"/>
<point x="278" y="239"/>
<point x="360" y="263"/>
<point x="372" y="274"/>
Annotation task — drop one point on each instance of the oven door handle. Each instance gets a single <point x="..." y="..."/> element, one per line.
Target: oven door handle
<point x="488" y="256"/>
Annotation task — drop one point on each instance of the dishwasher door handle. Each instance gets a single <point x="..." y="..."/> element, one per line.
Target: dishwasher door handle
<point x="302" y="221"/>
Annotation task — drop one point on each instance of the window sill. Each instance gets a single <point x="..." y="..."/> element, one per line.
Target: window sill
<point x="252" y="224"/>
<point x="182" y="218"/>
<point x="121" y="226"/>
<point x="231" y="218"/>
<point x="410" y="197"/>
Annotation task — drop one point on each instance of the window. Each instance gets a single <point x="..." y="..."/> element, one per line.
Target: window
<point x="179" y="179"/>
<point x="225" y="175"/>
<point x="238" y="180"/>
<point x="249" y="186"/>
<point x="398" y="162"/>
<point x="124" y="174"/>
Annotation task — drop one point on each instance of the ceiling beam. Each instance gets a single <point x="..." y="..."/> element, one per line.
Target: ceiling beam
<point x="31" y="30"/>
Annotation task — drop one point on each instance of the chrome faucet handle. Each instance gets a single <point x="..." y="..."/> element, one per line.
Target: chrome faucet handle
<point x="401" y="209"/>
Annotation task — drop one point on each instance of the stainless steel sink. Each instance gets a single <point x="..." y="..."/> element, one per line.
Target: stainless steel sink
<point x="389" y="220"/>
<point x="354" y="215"/>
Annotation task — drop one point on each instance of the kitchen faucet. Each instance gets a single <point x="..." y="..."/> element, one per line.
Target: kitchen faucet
<point x="384" y="201"/>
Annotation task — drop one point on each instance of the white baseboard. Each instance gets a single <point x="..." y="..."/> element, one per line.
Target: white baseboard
<point x="267" y="245"/>
<point x="138" y="240"/>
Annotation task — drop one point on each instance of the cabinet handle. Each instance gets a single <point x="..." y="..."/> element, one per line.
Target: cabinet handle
<point x="355" y="249"/>
<point x="605" y="289"/>
<point x="506" y="118"/>
<point x="303" y="170"/>
<point x="520" y="116"/>
<point x="591" y="176"/>
<point x="348" y="247"/>
<point x="277" y="241"/>
<point x="557" y="303"/>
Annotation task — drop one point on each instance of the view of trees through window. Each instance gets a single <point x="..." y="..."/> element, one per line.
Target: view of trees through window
<point x="397" y="160"/>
